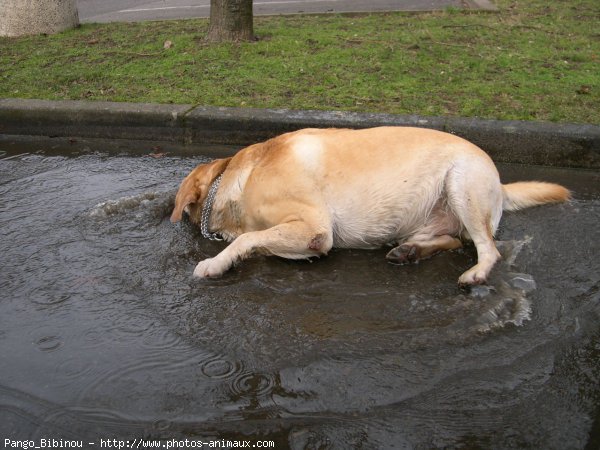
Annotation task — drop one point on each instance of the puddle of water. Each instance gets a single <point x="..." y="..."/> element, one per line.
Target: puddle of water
<point x="105" y="334"/>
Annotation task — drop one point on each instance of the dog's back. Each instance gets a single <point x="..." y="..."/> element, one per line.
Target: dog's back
<point x="378" y="185"/>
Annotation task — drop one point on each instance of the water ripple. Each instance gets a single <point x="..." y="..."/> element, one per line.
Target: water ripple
<point x="46" y="339"/>
<point x="252" y="384"/>
<point x="48" y="343"/>
<point x="219" y="368"/>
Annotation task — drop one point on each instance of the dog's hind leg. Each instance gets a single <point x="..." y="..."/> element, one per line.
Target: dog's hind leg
<point x="293" y="240"/>
<point x="487" y="253"/>
<point x="437" y="235"/>
<point x="414" y="250"/>
<point x="475" y="197"/>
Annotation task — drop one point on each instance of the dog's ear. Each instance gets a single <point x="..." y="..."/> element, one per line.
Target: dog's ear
<point x="194" y="187"/>
<point x="186" y="195"/>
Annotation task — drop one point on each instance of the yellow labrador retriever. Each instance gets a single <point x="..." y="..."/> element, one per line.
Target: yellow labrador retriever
<point x="302" y="193"/>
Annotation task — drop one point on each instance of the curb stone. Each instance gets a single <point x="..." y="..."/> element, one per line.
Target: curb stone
<point x="538" y="143"/>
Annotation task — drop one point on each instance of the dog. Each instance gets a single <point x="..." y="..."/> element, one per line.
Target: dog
<point x="300" y="194"/>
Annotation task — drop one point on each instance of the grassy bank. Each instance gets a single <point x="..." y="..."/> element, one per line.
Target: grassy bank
<point x="534" y="60"/>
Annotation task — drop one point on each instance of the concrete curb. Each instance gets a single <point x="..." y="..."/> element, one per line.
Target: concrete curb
<point x="563" y="145"/>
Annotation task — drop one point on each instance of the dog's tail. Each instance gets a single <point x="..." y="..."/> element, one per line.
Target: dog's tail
<point x="532" y="193"/>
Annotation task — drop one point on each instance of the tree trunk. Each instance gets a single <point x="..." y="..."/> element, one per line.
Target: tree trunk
<point x="21" y="17"/>
<point x="230" y="20"/>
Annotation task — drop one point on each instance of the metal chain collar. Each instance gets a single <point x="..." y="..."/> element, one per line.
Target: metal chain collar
<point x="207" y="210"/>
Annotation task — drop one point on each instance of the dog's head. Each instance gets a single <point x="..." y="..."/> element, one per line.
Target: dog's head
<point x="194" y="189"/>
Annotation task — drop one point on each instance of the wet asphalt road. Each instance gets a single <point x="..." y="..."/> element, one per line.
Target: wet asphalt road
<point x="139" y="10"/>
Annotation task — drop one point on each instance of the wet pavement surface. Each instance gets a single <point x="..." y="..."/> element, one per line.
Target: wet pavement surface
<point x="139" y="10"/>
<point x="104" y="334"/>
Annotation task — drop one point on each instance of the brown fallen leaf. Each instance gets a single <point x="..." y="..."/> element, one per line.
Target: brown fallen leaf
<point x="584" y="90"/>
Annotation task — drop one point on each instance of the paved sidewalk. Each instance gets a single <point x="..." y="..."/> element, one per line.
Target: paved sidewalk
<point x="139" y="10"/>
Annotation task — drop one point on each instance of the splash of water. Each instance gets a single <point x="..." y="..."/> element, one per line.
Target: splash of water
<point x="155" y="202"/>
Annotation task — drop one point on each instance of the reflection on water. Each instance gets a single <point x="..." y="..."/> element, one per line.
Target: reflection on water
<point x="105" y="334"/>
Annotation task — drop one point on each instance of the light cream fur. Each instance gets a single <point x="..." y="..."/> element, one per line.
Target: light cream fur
<point x="300" y="194"/>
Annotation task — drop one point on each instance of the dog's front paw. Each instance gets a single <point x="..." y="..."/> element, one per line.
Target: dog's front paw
<point x="210" y="268"/>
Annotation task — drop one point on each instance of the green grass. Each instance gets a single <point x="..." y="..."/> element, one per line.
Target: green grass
<point x="534" y="60"/>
